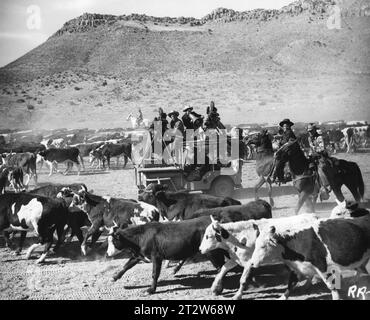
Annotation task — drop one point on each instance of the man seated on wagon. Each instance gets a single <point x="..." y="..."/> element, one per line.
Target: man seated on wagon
<point x="213" y="120"/>
<point x="191" y="119"/>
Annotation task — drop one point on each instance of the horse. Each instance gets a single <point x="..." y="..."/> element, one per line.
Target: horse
<point x="302" y="171"/>
<point x="264" y="161"/>
<point x="135" y="123"/>
<point x="334" y="173"/>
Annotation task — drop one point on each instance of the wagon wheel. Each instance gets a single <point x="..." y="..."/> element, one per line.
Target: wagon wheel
<point x="222" y="187"/>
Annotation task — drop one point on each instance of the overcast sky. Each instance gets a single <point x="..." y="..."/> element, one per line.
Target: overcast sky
<point x="16" y="37"/>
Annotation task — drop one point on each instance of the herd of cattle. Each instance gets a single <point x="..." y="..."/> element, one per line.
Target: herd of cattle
<point x="175" y="226"/>
<point x="20" y="160"/>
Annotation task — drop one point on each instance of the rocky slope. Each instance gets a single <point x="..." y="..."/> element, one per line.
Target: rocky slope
<point x="255" y="63"/>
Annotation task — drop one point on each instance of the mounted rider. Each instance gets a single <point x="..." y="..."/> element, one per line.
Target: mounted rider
<point x="287" y="132"/>
<point x="140" y="117"/>
<point x="287" y="135"/>
<point x="315" y="140"/>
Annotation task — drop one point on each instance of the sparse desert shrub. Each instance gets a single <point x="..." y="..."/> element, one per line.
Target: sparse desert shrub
<point x="21" y="101"/>
<point x="77" y="88"/>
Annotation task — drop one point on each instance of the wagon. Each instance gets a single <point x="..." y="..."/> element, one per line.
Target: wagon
<point x="217" y="181"/>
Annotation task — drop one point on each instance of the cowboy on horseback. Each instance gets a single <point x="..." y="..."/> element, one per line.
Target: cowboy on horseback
<point x="315" y="140"/>
<point x="286" y="137"/>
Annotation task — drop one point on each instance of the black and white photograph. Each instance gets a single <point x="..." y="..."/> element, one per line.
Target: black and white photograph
<point x="184" y="150"/>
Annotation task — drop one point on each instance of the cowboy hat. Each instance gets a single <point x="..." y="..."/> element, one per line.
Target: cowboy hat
<point x="188" y="108"/>
<point x="173" y="112"/>
<point x="311" y="127"/>
<point x="286" y="121"/>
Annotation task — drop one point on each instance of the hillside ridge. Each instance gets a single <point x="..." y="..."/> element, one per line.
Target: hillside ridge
<point x="87" y="21"/>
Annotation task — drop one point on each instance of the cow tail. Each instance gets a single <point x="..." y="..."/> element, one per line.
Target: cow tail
<point x="360" y="181"/>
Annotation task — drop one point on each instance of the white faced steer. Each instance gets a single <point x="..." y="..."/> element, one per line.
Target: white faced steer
<point x="321" y="248"/>
<point x="239" y="240"/>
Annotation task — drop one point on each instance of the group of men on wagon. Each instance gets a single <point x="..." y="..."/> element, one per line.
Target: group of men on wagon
<point x="191" y="120"/>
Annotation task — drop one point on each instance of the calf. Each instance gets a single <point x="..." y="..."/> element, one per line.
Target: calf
<point x="54" y="143"/>
<point x="4" y="178"/>
<point x="16" y="179"/>
<point x="115" y="150"/>
<point x="181" y="205"/>
<point x="69" y="155"/>
<point x="24" y="212"/>
<point x="12" y="177"/>
<point x="52" y="190"/>
<point x="319" y="249"/>
<point x="25" y="161"/>
<point x="239" y="240"/>
<point x="169" y="241"/>
<point x="97" y="156"/>
<point x="157" y="242"/>
<point x="103" y="211"/>
<point x="79" y="218"/>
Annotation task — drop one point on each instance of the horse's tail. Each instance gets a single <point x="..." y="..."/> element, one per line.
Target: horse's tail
<point x="360" y="181"/>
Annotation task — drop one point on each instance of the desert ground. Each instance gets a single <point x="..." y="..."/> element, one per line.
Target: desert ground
<point x="68" y="275"/>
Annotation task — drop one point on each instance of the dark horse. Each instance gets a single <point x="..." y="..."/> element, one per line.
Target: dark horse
<point x="334" y="173"/>
<point x="264" y="161"/>
<point x="303" y="173"/>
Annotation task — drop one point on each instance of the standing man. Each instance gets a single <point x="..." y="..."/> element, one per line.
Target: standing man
<point x="188" y="124"/>
<point x="178" y="132"/>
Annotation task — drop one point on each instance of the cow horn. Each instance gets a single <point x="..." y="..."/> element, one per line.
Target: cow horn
<point x="115" y="224"/>
<point x="213" y="219"/>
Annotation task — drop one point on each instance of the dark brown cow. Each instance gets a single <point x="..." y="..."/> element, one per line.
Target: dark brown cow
<point x="68" y="155"/>
<point x="181" y="205"/>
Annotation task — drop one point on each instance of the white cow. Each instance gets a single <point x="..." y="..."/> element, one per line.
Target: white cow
<point x="323" y="248"/>
<point x="239" y="238"/>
